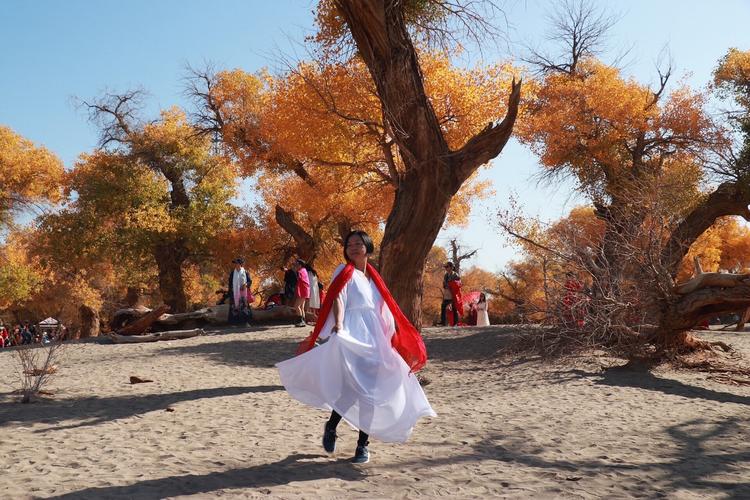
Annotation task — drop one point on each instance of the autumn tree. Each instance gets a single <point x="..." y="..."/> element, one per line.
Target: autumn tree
<point x="322" y="152"/>
<point x="19" y="279"/>
<point x="433" y="170"/>
<point x="30" y="175"/>
<point x="34" y="289"/>
<point x="152" y="197"/>
<point x="640" y="154"/>
<point x="522" y="291"/>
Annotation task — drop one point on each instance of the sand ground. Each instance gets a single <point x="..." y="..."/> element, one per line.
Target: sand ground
<point x="216" y="423"/>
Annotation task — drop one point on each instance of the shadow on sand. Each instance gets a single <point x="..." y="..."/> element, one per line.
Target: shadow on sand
<point x="295" y="468"/>
<point x="694" y="465"/>
<point x="642" y="378"/>
<point x="94" y="411"/>
<point x="467" y="343"/>
<point x="262" y="353"/>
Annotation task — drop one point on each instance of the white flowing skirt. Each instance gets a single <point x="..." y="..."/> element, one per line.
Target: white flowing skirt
<point x="314" y="302"/>
<point x="359" y="374"/>
<point x="483" y="319"/>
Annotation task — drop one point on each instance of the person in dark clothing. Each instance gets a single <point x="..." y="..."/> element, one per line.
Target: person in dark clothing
<point x="26" y="336"/>
<point x="290" y="286"/>
<point x="450" y="275"/>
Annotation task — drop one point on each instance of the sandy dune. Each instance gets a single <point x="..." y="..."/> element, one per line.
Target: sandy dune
<point x="216" y="423"/>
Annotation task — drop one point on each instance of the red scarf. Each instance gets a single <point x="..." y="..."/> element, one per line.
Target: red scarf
<point x="407" y="341"/>
<point x="458" y="300"/>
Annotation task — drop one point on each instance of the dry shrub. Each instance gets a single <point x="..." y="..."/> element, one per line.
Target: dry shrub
<point x="36" y="368"/>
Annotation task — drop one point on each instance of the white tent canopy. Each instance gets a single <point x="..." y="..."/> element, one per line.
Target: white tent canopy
<point x="49" y="322"/>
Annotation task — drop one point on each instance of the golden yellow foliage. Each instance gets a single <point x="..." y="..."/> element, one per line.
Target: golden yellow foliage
<point x="613" y="134"/>
<point x="29" y="174"/>
<point x="732" y="76"/>
<point x="315" y="141"/>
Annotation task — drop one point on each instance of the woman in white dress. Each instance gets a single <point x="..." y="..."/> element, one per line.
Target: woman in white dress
<point x="313" y="303"/>
<point x="360" y="374"/>
<point x="482" y="317"/>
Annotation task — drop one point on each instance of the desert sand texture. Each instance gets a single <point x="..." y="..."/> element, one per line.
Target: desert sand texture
<point x="215" y="422"/>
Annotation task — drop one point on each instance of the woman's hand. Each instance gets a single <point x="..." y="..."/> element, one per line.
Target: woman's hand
<point x="336" y="329"/>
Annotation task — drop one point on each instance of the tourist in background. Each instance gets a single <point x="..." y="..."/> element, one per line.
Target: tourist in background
<point x="303" y="290"/>
<point x="483" y="318"/>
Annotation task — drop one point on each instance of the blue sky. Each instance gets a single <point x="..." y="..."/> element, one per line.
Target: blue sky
<point x="54" y="51"/>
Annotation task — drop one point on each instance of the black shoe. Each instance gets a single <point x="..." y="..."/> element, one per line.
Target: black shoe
<point x="361" y="456"/>
<point x="329" y="438"/>
<point x="300" y="324"/>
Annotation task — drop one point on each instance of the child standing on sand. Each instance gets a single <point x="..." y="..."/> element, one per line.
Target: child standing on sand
<point x="364" y="372"/>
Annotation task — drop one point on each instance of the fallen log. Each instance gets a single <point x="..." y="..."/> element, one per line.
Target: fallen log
<point x="219" y="315"/>
<point x="141" y="324"/>
<point x="744" y="318"/>
<point x="214" y="314"/>
<point x="153" y="337"/>
<point x="275" y="313"/>
<point x="122" y="317"/>
<point x="702" y="280"/>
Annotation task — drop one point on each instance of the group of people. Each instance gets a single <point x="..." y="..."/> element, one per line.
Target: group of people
<point x="452" y="307"/>
<point x="27" y="334"/>
<point x="303" y="290"/>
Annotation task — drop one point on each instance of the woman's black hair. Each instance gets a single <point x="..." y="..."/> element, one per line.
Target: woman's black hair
<point x="369" y="246"/>
<point x="482" y="296"/>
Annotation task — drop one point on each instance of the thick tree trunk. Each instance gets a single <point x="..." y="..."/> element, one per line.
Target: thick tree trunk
<point x="307" y="247"/>
<point x="622" y="227"/>
<point x="133" y="297"/>
<point x="707" y="294"/>
<point x="700" y="304"/>
<point x="417" y="215"/>
<point x="727" y="199"/>
<point x="170" y="258"/>
<point x="433" y="173"/>
<point x="89" y="319"/>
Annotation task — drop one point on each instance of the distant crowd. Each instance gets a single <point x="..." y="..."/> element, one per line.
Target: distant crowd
<point x="305" y="292"/>
<point x="28" y="334"/>
<point x="301" y="290"/>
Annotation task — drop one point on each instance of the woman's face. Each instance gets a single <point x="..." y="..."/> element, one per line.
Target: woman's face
<point x="355" y="248"/>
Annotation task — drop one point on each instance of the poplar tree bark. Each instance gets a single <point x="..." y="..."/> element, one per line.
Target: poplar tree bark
<point x="89" y="319"/>
<point x="306" y="245"/>
<point x="433" y="173"/>
<point x="170" y="258"/>
<point x="706" y="295"/>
